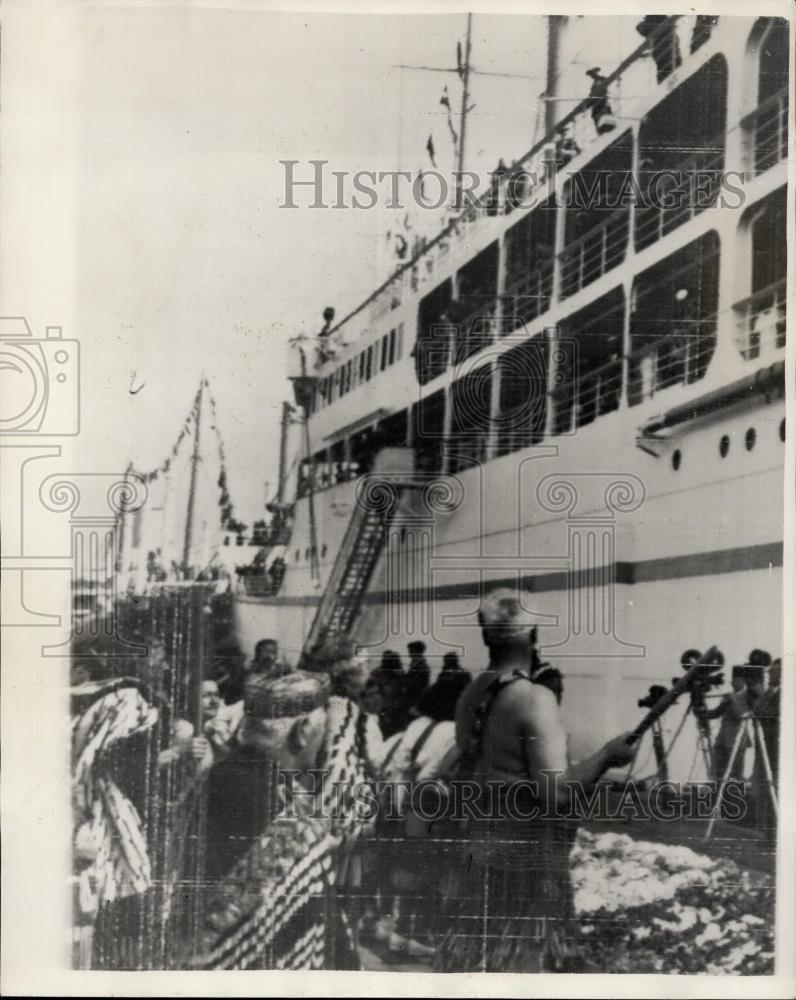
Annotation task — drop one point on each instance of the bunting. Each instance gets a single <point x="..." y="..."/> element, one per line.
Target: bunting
<point x="226" y="508"/>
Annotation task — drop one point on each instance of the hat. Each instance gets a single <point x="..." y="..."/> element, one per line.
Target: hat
<point x="502" y="608"/>
<point x="759" y="658"/>
<point x="294" y="694"/>
<point x="416" y="647"/>
<point x="594" y="71"/>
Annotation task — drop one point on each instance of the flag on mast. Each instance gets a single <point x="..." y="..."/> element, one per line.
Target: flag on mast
<point x="445" y="102"/>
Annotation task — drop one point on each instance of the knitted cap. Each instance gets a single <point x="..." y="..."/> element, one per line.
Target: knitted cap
<point x="503" y="608"/>
<point x="294" y="694"/>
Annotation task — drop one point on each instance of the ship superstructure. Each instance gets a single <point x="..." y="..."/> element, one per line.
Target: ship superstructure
<point x="577" y="387"/>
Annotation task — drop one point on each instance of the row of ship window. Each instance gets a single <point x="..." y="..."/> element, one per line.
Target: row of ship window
<point x="370" y="361"/>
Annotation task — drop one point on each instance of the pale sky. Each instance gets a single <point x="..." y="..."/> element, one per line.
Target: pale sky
<point x="155" y="225"/>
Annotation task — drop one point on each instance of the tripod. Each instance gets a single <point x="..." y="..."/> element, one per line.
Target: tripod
<point x="703" y="740"/>
<point x="662" y="752"/>
<point x="749" y="728"/>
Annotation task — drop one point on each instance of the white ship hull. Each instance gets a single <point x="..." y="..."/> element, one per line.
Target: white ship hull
<point x="654" y="527"/>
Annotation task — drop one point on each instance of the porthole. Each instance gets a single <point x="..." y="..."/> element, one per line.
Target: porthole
<point x="782" y="429"/>
<point x="751" y="437"/>
<point x="724" y="445"/>
<point x="677" y="458"/>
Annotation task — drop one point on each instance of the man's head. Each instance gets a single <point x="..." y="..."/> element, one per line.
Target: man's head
<point x="505" y="624"/>
<point x="285" y="718"/>
<point x="349" y="677"/>
<point x="755" y="677"/>
<point x="416" y="650"/>
<point x="265" y="655"/>
<point x="738" y="680"/>
<point x="775" y="673"/>
<point x="391" y="662"/>
<point x="152" y="669"/>
<point x="371" y="700"/>
<point x="450" y="662"/>
<point x="88" y="667"/>
<point x="210" y="700"/>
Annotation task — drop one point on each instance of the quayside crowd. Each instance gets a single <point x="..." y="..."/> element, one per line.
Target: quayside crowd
<point x="238" y="840"/>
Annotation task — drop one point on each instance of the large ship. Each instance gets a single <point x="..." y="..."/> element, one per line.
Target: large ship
<point x="571" y="389"/>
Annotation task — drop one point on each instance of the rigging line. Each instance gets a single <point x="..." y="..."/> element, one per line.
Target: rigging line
<point x="475" y="72"/>
<point x="581" y="108"/>
<point x="183" y="434"/>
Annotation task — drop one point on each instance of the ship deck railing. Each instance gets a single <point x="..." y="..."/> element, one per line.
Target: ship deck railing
<point x="655" y="221"/>
<point x="476" y="329"/>
<point x="590" y="395"/>
<point x="594" y="253"/>
<point x="767" y="128"/>
<point x="632" y="74"/>
<point x="761" y="321"/>
<point x="678" y="358"/>
<point x="527" y="297"/>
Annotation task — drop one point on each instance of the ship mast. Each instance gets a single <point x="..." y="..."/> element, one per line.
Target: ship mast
<point x="186" y="552"/>
<point x="287" y="409"/>
<point x="554" y="27"/>
<point x="465" y="72"/>
<point x="464" y="69"/>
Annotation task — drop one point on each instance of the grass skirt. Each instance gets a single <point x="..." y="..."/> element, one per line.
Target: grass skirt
<point x="509" y="900"/>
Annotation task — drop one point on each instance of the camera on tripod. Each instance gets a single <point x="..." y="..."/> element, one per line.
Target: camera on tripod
<point x="656" y="692"/>
<point x="703" y="680"/>
<point x="700" y="684"/>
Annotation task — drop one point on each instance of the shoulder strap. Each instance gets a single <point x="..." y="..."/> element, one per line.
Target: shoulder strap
<point x="391" y="753"/>
<point x="472" y="748"/>
<point x="421" y="742"/>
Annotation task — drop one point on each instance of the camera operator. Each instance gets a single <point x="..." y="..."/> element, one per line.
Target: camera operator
<point x="731" y="710"/>
<point x="766" y="707"/>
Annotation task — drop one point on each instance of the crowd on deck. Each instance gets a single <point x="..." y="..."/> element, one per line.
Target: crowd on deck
<point x="277" y="806"/>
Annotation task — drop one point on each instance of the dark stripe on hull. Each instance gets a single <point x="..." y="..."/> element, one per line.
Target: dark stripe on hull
<point x="719" y="561"/>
